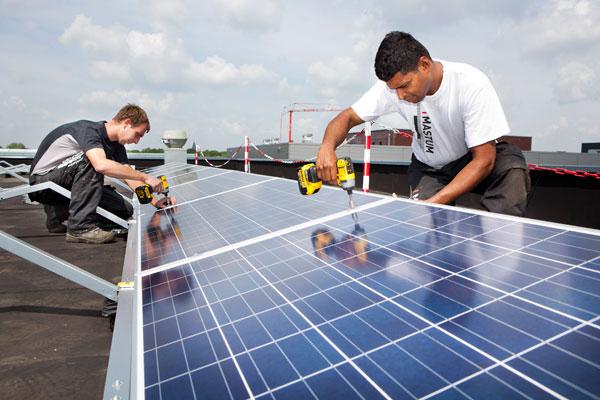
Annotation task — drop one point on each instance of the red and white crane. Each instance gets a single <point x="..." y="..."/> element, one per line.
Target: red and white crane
<point x="302" y="107"/>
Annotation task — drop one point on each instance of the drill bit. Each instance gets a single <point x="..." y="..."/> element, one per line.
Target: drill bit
<point x="351" y="204"/>
<point x="350" y="200"/>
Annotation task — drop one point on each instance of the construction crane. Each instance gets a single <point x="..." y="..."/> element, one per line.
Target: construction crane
<point x="301" y="107"/>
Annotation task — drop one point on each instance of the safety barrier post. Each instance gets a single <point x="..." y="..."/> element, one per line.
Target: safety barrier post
<point x="367" y="157"/>
<point x="196" y="156"/>
<point x="246" y="156"/>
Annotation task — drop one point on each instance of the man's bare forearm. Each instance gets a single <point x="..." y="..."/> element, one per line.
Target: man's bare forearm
<point x="470" y="176"/>
<point x="480" y="166"/>
<point x="335" y="133"/>
<point x="120" y="171"/>
<point x="339" y="127"/>
<point x="113" y="169"/>
<point x="132" y="183"/>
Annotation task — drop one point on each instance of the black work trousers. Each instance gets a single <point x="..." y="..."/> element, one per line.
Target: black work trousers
<point x="87" y="193"/>
<point x="504" y="190"/>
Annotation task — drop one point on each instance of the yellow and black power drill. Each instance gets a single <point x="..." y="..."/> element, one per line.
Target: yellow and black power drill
<point x="309" y="183"/>
<point x="144" y="192"/>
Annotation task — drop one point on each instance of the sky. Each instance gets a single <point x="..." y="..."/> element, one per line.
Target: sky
<point x="222" y="69"/>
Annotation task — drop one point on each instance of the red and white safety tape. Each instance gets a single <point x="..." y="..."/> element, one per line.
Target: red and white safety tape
<point x="277" y="159"/>
<point x="562" y="171"/>
<point x="271" y="158"/>
<point x="532" y="167"/>
<point x="395" y="130"/>
<point x="220" y="165"/>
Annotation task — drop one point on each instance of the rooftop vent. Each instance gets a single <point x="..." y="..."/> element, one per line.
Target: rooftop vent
<point x="174" y="139"/>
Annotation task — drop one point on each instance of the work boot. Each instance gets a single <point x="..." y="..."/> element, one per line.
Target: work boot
<point x="93" y="236"/>
<point x="56" y="214"/>
<point x="116" y="229"/>
<point x="57" y="228"/>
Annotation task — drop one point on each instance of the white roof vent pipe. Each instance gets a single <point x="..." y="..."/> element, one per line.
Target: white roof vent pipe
<point x="174" y="139"/>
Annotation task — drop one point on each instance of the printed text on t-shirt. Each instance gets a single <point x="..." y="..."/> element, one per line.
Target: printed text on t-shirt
<point x="424" y="135"/>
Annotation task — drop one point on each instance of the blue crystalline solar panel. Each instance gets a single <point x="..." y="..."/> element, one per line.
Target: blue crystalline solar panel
<point x="217" y="182"/>
<point x="230" y="217"/>
<point x="171" y="168"/>
<point x="409" y="301"/>
<point x="195" y="175"/>
<point x="593" y="265"/>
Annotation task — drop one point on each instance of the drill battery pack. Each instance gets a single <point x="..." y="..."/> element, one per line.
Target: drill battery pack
<point x="308" y="182"/>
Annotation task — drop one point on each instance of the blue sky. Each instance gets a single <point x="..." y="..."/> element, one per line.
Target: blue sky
<point x="221" y="69"/>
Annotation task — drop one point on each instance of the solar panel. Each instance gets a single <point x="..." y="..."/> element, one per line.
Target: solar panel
<point x="173" y="169"/>
<point x="249" y="289"/>
<point x="195" y="175"/>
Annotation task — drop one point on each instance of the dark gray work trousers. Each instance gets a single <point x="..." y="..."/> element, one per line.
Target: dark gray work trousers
<point x="87" y="193"/>
<point x="504" y="190"/>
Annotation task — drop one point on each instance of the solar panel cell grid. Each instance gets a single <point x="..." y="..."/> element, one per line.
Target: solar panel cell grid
<point x="216" y="221"/>
<point x="216" y="183"/>
<point x="193" y="175"/>
<point x="172" y="169"/>
<point x="412" y="301"/>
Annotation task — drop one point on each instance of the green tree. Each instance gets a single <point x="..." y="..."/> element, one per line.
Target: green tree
<point x="215" y="153"/>
<point x="15" y="145"/>
<point x="208" y="152"/>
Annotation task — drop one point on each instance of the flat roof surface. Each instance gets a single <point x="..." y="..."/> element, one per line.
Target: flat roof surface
<point x="53" y="342"/>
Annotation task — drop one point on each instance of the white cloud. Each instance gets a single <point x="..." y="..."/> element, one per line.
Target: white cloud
<point x="200" y="60"/>
<point x="251" y="15"/>
<point x="166" y="14"/>
<point x="156" y="58"/>
<point x="419" y="15"/>
<point x="116" y="98"/>
<point x="21" y="119"/>
<point x="576" y="82"/>
<point x="13" y="104"/>
<point x="559" y="134"/>
<point x="90" y="36"/>
<point x="329" y="78"/>
<point x="561" y="25"/>
<point x="255" y="73"/>
<point x="234" y="128"/>
<point x="104" y="70"/>
<point x="116" y="40"/>
<point x="146" y="44"/>
<point x="216" y="71"/>
<point x="340" y="71"/>
<point x="213" y="70"/>
<point x="366" y="34"/>
<point x="288" y="90"/>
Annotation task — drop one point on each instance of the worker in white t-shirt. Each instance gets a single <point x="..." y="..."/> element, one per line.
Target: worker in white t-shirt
<point x="455" y="116"/>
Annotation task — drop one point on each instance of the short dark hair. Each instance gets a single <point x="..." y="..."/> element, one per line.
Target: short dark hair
<point x="135" y="114"/>
<point x="398" y="52"/>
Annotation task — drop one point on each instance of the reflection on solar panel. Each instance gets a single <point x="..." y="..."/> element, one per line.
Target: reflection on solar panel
<point x="251" y="290"/>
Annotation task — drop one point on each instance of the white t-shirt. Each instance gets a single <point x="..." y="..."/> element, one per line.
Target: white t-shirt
<point x="464" y="112"/>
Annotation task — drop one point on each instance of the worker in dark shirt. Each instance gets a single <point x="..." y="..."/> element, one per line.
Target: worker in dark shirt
<point x="77" y="156"/>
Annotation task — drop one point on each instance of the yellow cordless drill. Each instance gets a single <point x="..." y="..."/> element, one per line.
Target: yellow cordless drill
<point x="309" y="183"/>
<point x="144" y="192"/>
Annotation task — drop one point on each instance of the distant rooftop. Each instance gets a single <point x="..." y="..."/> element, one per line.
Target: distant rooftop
<point x="589" y="161"/>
